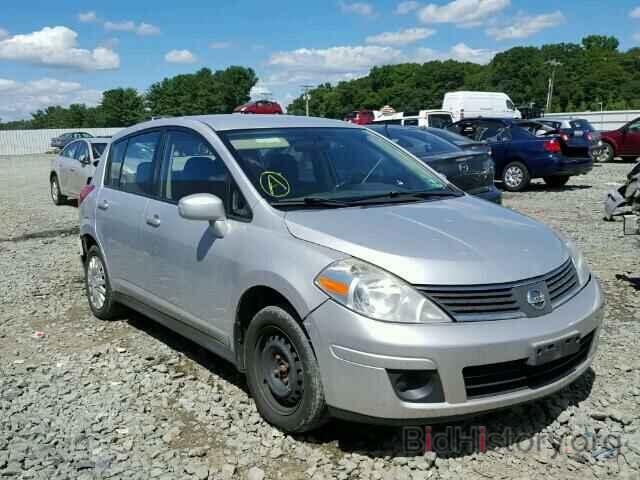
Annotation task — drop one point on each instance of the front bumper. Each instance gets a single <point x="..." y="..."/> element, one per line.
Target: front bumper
<point x="355" y="355"/>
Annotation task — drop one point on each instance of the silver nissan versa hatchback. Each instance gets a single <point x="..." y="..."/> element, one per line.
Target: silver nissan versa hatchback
<point x="344" y="276"/>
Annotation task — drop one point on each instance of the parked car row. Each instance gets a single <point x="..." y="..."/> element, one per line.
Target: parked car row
<point x="323" y="259"/>
<point x="526" y="149"/>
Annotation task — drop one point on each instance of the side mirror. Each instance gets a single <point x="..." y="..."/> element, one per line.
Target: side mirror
<point x="204" y="206"/>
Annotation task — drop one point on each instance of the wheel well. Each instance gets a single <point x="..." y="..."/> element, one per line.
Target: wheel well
<point x="87" y="242"/>
<point x="251" y="302"/>
<point x="610" y="143"/>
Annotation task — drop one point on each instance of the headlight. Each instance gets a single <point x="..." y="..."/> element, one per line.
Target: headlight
<point x="579" y="261"/>
<point x="370" y="291"/>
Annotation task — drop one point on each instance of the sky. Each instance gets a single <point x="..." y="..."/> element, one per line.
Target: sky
<point x="70" y="51"/>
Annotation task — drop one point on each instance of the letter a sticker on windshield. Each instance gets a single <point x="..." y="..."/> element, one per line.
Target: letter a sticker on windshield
<point x="274" y="184"/>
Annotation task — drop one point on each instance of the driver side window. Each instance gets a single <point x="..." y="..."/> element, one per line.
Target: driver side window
<point x="82" y="153"/>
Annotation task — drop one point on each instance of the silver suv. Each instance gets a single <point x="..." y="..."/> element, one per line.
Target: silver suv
<point x="344" y="276"/>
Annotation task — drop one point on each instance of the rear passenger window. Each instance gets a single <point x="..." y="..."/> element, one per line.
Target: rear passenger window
<point x="137" y="168"/>
<point x="193" y="167"/>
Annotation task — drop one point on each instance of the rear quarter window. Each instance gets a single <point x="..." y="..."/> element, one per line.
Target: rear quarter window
<point x="115" y="163"/>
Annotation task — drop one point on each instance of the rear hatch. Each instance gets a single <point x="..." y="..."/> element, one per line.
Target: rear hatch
<point x="466" y="169"/>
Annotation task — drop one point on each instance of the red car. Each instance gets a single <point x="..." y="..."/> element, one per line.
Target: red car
<point x="362" y="117"/>
<point x="261" y="106"/>
<point x="624" y="142"/>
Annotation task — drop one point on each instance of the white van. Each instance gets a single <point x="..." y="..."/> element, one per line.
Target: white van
<point x="479" y="104"/>
<point x="424" y="118"/>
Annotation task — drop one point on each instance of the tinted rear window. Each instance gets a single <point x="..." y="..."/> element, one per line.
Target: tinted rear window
<point x="581" y="125"/>
<point x="420" y="143"/>
<point x="439" y="120"/>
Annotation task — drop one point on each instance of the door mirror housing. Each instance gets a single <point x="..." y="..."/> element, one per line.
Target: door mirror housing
<point x="204" y="206"/>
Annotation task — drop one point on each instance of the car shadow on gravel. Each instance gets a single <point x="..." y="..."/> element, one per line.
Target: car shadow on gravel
<point x="543" y="187"/>
<point x="514" y="427"/>
<point x="210" y="361"/>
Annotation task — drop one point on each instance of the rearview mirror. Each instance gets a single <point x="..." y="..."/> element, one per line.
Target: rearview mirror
<point x="204" y="206"/>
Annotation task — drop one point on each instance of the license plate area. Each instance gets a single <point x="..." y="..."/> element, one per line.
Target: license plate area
<point x="549" y="351"/>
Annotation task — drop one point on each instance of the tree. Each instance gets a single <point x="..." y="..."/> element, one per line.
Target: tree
<point x="121" y="107"/>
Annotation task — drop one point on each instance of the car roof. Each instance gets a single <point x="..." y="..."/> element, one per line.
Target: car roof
<point x="236" y="121"/>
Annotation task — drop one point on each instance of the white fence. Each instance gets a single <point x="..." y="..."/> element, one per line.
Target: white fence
<point x="609" y="120"/>
<point x="22" y="142"/>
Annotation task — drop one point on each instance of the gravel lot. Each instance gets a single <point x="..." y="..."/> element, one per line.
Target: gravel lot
<point x="129" y="399"/>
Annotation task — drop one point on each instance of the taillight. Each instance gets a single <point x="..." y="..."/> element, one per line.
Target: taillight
<point x="589" y="136"/>
<point x="552" y="146"/>
<point x="86" y="190"/>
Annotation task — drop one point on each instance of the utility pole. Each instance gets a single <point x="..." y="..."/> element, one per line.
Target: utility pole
<point x="554" y="64"/>
<point x="305" y="89"/>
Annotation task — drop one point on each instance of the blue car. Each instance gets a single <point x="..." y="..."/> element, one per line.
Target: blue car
<point x="525" y="150"/>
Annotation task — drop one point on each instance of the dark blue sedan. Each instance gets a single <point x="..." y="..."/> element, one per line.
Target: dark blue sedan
<point x="521" y="152"/>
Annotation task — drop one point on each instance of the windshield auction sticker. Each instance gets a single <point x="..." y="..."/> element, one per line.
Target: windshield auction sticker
<point x="274" y="184"/>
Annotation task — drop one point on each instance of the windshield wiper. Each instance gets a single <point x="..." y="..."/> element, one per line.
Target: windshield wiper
<point x="312" y="202"/>
<point x="396" y="195"/>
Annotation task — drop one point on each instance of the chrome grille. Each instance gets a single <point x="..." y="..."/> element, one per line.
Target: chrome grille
<point x="501" y="301"/>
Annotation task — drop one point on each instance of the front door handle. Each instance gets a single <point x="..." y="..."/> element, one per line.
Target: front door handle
<point x="154" y="221"/>
<point x="103" y="205"/>
<point x="72" y="169"/>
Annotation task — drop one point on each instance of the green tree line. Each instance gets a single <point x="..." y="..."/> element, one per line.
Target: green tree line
<point x="202" y="92"/>
<point x="592" y="74"/>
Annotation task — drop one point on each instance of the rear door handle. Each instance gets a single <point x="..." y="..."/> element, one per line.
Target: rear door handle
<point x="154" y="221"/>
<point x="103" y="205"/>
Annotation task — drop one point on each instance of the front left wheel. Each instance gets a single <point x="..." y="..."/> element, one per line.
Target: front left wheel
<point x="282" y="372"/>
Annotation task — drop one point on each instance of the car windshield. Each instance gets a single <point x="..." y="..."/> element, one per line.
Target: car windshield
<point x="98" y="149"/>
<point x="339" y="165"/>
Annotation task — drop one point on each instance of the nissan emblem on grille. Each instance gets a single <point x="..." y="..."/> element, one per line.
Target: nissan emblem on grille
<point x="536" y="298"/>
<point x="463" y="167"/>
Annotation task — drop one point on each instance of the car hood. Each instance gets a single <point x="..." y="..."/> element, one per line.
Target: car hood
<point x="459" y="241"/>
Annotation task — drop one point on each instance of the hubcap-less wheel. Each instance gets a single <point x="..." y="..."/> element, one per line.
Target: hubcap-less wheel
<point x="513" y="176"/>
<point x="97" y="282"/>
<point x="54" y="190"/>
<point x="281" y="369"/>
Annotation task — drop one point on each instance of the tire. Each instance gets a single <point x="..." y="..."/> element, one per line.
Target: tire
<point x="607" y="154"/>
<point x="516" y="177"/>
<point x="558" y="181"/>
<point x="98" y="289"/>
<point x="283" y="373"/>
<point x="54" y="189"/>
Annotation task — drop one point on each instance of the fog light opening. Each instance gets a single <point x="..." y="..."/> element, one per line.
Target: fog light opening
<point x="420" y="386"/>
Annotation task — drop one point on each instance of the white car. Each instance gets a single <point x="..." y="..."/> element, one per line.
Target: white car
<point x="74" y="168"/>
<point x="479" y="104"/>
